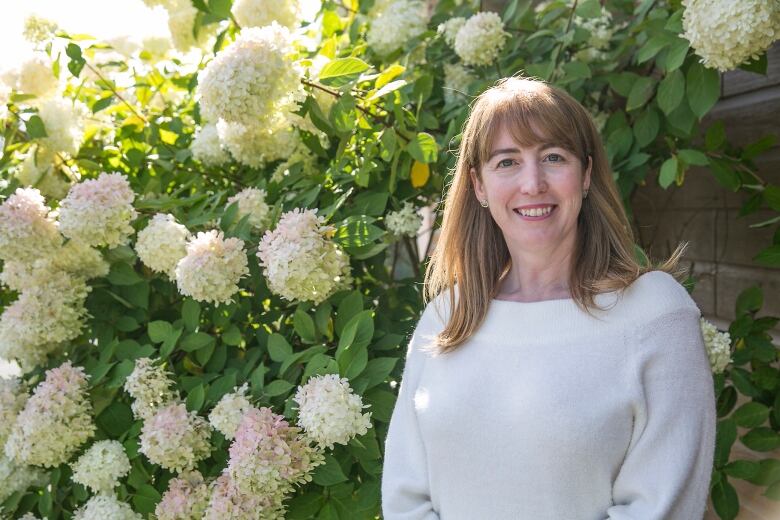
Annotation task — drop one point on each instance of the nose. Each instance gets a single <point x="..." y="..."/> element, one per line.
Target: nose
<point x="532" y="178"/>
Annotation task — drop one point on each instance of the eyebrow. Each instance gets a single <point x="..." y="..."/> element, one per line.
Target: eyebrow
<point x="517" y="150"/>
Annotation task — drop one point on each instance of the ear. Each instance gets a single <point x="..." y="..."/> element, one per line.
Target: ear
<point x="477" y="183"/>
<point x="586" y="176"/>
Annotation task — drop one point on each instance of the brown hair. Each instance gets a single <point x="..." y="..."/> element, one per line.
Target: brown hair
<point x="471" y="251"/>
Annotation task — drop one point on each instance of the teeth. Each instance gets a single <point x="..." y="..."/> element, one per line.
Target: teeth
<point x="535" y="212"/>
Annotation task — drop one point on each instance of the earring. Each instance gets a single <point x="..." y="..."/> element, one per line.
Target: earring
<point x="484" y="203"/>
<point x="585" y="194"/>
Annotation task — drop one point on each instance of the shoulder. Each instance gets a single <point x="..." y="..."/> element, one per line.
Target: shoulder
<point x="437" y="312"/>
<point x="656" y="294"/>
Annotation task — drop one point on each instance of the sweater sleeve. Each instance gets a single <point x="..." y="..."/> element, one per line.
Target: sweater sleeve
<point x="405" y="488"/>
<point x="667" y="469"/>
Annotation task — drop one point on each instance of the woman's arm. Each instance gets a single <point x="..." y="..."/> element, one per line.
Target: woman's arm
<point x="667" y="470"/>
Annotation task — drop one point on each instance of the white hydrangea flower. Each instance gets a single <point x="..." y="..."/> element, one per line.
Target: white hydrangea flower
<point x="150" y="387"/>
<point x="181" y="23"/>
<point x="162" y="243"/>
<point x="404" y="222"/>
<point x="399" y="22"/>
<point x="298" y="261"/>
<point x="175" y="438"/>
<point x="725" y="34"/>
<point x="186" y="498"/>
<point x="35" y="76"/>
<point x="228" y="502"/>
<point x="13" y="396"/>
<point x="456" y="82"/>
<point x="64" y="123"/>
<point x="101" y="466"/>
<point x="227" y="414"/>
<point x="42" y="170"/>
<point x="253" y="77"/>
<point x="481" y="39"/>
<point x="329" y="412"/>
<point x="251" y="201"/>
<point x="29" y="516"/>
<point x="449" y="29"/>
<point x="156" y="46"/>
<point x="256" y="145"/>
<point x="15" y="478"/>
<point x="212" y="268"/>
<point x="38" y="29"/>
<point x="55" y="421"/>
<point x="207" y="148"/>
<point x="99" y="211"/>
<point x="27" y="228"/>
<point x="104" y="507"/>
<point x="259" y="13"/>
<point x="718" y="346"/>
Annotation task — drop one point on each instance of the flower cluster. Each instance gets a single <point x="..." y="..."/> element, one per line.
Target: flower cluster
<point x="726" y="34"/>
<point x="227" y="414"/>
<point x="299" y="262"/>
<point x="228" y="502"/>
<point x="38" y="29"/>
<point x="64" y="124"/>
<point x="256" y="145"/>
<point x="481" y="39"/>
<point x="175" y="438"/>
<point x="35" y="76"/>
<point x="401" y="21"/>
<point x="207" y="148"/>
<point x="252" y="77"/>
<point x="259" y="13"/>
<point x="449" y="29"/>
<point x="102" y="507"/>
<point x="187" y="497"/>
<point x="101" y="466"/>
<point x="718" y="346"/>
<point x="251" y="201"/>
<point x="404" y="222"/>
<point x="329" y="412"/>
<point x="55" y="421"/>
<point x="99" y="211"/>
<point x="150" y="388"/>
<point x="42" y="169"/>
<point x="27" y="229"/>
<point x="15" y="478"/>
<point x="601" y="30"/>
<point x="212" y="268"/>
<point x="162" y="243"/>
<point x="12" y="400"/>
<point x="181" y="22"/>
<point x="456" y="82"/>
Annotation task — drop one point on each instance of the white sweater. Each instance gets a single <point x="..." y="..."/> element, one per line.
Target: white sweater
<point x="546" y="413"/>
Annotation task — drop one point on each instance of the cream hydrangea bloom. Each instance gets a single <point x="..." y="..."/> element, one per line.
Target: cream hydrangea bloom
<point x="104" y="507"/>
<point x="101" y="466"/>
<point x="207" y="148"/>
<point x="13" y="396"/>
<point x="64" y="123"/>
<point x="38" y="29"/>
<point x="404" y="222"/>
<point x="186" y="498"/>
<point x="150" y="387"/>
<point x="181" y="23"/>
<point x="399" y="22"/>
<point x="718" y="346"/>
<point x="259" y="13"/>
<point x="251" y="201"/>
<point x="162" y="243"/>
<point x="256" y="145"/>
<point x="35" y="76"/>
<point x="212" y="268"/>
<point x="456" y="82"/>
<point x="15" y="478"/>
<point x="175" y="438"/>
<point x="481" y="39"/>
<point x="449" y="29"/>
<point x="329" y="411"/>
<point x="298" y="260"/>
<point x="228" y="502"/>
<point x="55" y="421"/>
<point x="726" y="34"/>
<point x="99" y="211"/>
<point x="227" y="414"/>
<point x="27" y="228"/>
<point x="42" y="170"/>
<point x="253" y="77"/>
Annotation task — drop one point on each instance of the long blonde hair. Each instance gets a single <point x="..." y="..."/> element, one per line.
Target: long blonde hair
<point x="471" y="251"/>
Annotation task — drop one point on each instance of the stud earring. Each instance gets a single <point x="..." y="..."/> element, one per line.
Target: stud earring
<point x="585" y="194"/>
<point x="484" y="203"/>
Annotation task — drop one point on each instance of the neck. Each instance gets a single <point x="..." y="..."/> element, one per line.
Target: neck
<point x="538" y="275"/>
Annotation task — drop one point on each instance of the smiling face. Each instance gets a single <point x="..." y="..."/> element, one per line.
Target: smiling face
<point x="543" y="181"/>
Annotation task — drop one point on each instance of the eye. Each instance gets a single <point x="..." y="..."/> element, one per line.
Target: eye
<point x="555" y="157"/>
<point x="504" y="163"/>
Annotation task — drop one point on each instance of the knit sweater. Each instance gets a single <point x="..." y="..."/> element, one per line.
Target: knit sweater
<point x="548" y="413"/>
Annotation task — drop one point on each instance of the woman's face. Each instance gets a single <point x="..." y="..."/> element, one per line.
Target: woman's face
<point x="517" y="179"/>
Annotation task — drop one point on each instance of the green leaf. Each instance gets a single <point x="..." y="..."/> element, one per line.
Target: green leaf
<point x="423" y="148"/>
<point x="357" y="231"/>
<point x="652" y="47"/>
<point x="724" y="499"/>
<point x="725" y="174"/>
<point x="668" y="172"/>
<point x="342" y="70"/>
<point x="229" y="216"/>
<point x="771" y="196"/>
<point x="389" y="74"/>
<point x="278" y="348"/>
<point x="357" y="332"/>
<point x="159" y="330"/>
<point x="123" y="274"/>
<point x="743" y="469"/>
<point x="304" y="326"/>
<point x="116" y="419"/>
<point x="190" y="313"/>
<point x="278" y="387"/>
<point x="195" y="341"/>
<point x="221" y="386"/>
<point x="769" y="256"/>
<point x="378" y="369"/>
<point x="35" y="128"/>
<point x="195" y="398"/>
<point x="675" y="55"/>
<point x="342" y="114"/>
<point x="761" y="439"/>
<point x="145" y="499"/>
<point x="703" y="85"/>
<point x="329" y="473"/>
<point x="758" y="66"/>
<point x="350" y="305"/>
<point x="221" y="8"/>
<point x="170" y="342"/>
<point x="693" y="157"/>
<point x="750" y="415"/>
<point x="646" y="127"/>
<point x="102" y="103"/>
<point x="641" y="91"/>
<point x="232" y="336"/>
<point x="385" y="90"/>
<point x="671" y="91"/>
<point x="588" y="9"/>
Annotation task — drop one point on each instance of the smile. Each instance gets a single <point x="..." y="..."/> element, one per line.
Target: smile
<point x="536" y="213"/>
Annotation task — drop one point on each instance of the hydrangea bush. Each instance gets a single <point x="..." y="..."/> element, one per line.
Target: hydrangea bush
<point x="210" y="245"/>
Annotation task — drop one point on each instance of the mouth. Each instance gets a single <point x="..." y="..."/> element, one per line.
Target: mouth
<point x="536" y="213"/>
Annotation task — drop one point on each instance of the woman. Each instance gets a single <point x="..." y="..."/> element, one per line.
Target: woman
<point x="552" y="376"/>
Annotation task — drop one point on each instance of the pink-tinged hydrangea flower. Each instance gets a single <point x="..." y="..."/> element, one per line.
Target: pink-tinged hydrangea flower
<point x="104" y="507"/>
<point x="268" y="456"/>
<point x="99" y="211"/>
<point x="227" y="414"/>
<point x="13" y="396"/>
<point x="481" y="39"/>
<point x="150" y="387"/>
<point x="329" y="411"/>
<point x="253" y="77"/>
<point x="399" y="22"/>
<point x="251" y="201"/>
<point x="186" y="498"/>
<point x="256" y="145"/>
<point x="27" y="230"/>
<point x="175" y="438"/>
<point x="43" y="318"/>
<point x="212" y="268"/>
<point x="15" y="478"/>
<point x="56" y="420"/>
<point x="299" y="262"/>
<point x="101" y="466"/>
<point x="227" y="502"/>
<point x="259" y="13"/>
<point x="207" y="148"/>
<point x="64" y="123"/>
<point x="718" y="346"/>
<point x="162" y="243"/>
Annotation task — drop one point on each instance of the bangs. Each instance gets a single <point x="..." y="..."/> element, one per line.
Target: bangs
<point x="533" y="116"/>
